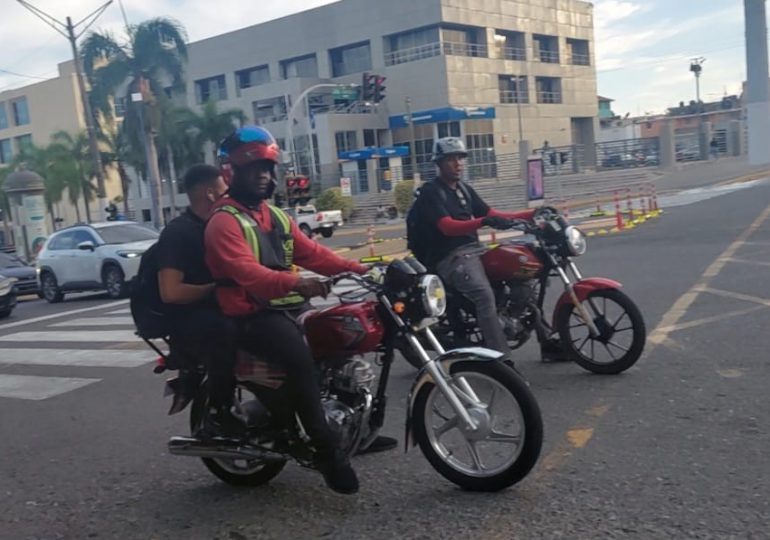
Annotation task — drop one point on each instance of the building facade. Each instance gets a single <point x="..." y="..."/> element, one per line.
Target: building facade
<point x="492" y="73"/>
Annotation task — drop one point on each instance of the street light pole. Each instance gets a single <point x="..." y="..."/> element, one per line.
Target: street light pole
<point x="68" y="31"/>
<point x="518" y="105"/>
<point x="413" y="142"/>
<point x="290" y="119"/>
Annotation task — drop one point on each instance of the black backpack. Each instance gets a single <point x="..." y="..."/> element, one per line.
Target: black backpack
<point x="146" y="305"/>
<point x="419" y="234"/>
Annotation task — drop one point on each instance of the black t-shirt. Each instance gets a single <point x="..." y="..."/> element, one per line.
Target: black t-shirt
<point x="181" y="247"/>
<point x="437" y="200"/>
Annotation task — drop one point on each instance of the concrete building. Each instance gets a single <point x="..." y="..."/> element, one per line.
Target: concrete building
<point x="469" y="69"/>
<point x="33" y="113"/>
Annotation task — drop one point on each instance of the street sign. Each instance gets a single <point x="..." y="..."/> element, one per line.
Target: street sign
<point x="349" y="94"/>
<point x="345" y="187"/>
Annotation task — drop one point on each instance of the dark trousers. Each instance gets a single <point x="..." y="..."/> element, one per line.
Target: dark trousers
<point x="464" y="271"/>
<point x="207" y="332"/>
<point x="275" y="337"/>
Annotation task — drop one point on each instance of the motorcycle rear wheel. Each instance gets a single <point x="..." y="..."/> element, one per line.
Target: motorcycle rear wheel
<point x="620" y="352"/>
<point x="518" y="452"/>
<point x="236" y="472"/>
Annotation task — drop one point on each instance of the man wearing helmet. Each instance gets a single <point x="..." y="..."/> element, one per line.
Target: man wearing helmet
<point x="451" y="213"/>
<point x="250" y="249"/>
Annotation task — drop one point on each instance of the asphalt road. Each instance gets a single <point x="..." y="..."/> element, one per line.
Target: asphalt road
<point x="674" y="448"/>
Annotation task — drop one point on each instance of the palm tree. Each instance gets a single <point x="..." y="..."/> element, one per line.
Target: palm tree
<point x="118" y="153"/>
<point x="155" y="52"/>
<point x="78" y="148"/>
<point x="52" y="166"/>
<point x="214" y="125"/>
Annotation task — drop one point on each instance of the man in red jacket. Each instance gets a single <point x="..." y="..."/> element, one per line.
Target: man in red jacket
<point x="250" y="249"/>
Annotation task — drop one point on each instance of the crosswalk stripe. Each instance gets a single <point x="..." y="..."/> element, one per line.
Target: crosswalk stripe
<point x="98" y="321"/>
<point x="86" y="336"/>
<point x="76" y="357"/>
<point x="119" y="312"/>
<point x="38" y="388"/>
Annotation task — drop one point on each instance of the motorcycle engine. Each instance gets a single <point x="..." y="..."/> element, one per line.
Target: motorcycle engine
<point x="348" y="402"/>
<point x="517" y="297"/>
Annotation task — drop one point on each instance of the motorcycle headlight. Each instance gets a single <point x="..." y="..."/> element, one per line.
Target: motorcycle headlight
<point x="576" y="241"/>
<point x="433" y="295"/>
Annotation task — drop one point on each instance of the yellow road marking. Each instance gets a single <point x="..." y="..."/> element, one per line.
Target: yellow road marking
<point x="759" y="263"/>
<point x="579" y="437"/>
<point x="730" y="373"/>
<point x="737" y="296"/>
<point x="715" y="318"/>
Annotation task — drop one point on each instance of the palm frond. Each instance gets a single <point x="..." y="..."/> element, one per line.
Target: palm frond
<point x="99" y="47"/>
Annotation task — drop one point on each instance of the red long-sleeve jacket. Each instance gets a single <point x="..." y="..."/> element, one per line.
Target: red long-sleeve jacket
<point x="457" y="227"/>
<point x="229" y="256"/>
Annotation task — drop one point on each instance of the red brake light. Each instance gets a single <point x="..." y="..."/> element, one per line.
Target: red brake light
<point x="319" y="216"/>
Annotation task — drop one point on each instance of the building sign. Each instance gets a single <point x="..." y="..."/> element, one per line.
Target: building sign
<point x="535" y="180"/>
<point x="374" y="152"/>
<point x="345" y="187"/>
<point x="445" y="114"/>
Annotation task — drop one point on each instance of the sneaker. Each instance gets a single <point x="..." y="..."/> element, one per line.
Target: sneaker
<point x="380" y="444"/>
<point x="552" y="351"/>
<point x="338" y="473"/>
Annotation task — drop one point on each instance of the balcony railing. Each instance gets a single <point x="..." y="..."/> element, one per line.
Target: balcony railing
<point x="513" y="53"/>
<point x="577" y="59"/>
<point x="549" y="97"/>
<point x="437" y="48"/>
<point x="513" y="96"/>
<point x="548" y="57"/>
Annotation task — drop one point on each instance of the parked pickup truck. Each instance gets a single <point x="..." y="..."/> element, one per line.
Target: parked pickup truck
<point x="312" y="221"/>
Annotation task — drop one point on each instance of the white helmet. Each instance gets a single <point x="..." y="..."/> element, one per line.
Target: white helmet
<point x="448" y="146"/>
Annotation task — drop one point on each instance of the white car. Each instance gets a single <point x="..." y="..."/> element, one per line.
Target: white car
<point x="311" y="221"/>
<point x="99" y="256"/>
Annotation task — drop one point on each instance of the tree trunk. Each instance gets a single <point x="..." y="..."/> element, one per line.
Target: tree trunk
<point x="88" y="206"/>
<point x="155" y="192"/>
<point x="124" y="182"/>
<point x="171" y="180"/>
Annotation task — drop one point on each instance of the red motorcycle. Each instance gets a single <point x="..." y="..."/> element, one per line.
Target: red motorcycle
<point x="474" y="418"/>
<point x="594" y="323"/>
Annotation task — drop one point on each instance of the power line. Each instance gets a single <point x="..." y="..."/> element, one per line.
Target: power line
<point x="9" y="72"/>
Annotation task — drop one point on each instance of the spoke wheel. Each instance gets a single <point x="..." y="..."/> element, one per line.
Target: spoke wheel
<point x="621" y="332"/>
<point x="506" y="443"/>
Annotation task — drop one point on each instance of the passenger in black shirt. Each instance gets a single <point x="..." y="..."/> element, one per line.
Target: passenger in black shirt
<point x="187" y="292"/>
<point x="453" y="213"/>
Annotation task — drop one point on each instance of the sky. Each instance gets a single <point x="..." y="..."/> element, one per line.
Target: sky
<point x="643" y="47"/>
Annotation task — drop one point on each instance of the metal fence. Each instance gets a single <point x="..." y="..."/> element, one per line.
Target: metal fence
<point x="628" y="153"/>
<point x="687" y="147"/>
<point x="559" y="160"/>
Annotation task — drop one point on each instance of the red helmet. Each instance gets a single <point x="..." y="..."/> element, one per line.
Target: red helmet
<point x="246" y="145"/>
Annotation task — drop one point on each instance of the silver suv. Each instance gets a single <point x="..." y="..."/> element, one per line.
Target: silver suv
<point x="99" y="256"/>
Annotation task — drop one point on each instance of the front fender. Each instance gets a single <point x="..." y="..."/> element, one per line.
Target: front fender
<point x="446" y="360"/>
<point x="583" y="288"/>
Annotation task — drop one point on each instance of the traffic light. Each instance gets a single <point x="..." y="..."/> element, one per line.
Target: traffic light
<point x="297" y="190"/>
<point x="368" y="86"/>
<point x="379" y="88"/>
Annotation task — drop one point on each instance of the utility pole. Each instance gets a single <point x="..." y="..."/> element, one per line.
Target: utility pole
<point x="757" y="88"/>
<point x="68" y="31"/>
<point x="696" y="66"/>
<point x="413" y="142"/>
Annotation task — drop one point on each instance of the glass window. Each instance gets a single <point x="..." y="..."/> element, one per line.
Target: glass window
<point x="448" y="129"/>
<point x="63" y="240"/>
<point x="23" y="142"/>
<point x="369" y="138"/>
<point x="513" y="89"/>
<point x="6" y="151"/>
<point x="510" y="45"/>
<point x="3" y="116"/>
<point x="123" y="234"/>
<point x="482" y="162"/>
<point x="81" y="235"/>
<point x="20" y="111"/>
<point x="346" y="141"/>
<point x="247" y="78"/>
<point x="303" y="66"/>
<point x="412" y="45"/>
<point x="578" y="52"/>
<point x="548" y="89"/>
<point x="269" y="110"/>
<point x="350" y="59"/>
<point x="213" y="88"/>
<point x="546" y="48"/>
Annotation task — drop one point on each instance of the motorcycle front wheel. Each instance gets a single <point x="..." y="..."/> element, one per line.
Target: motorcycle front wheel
<point x="509" y="435"/>
<point x="236" y="472"/>
<point x="621" y="337"/>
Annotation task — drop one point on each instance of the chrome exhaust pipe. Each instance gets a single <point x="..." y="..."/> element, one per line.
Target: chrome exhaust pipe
<point x="222" y="449"/>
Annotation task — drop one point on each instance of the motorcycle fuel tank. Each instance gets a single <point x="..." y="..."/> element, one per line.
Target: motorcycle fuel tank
<point x="344" y="329"/>
<point x="511" y="261"/>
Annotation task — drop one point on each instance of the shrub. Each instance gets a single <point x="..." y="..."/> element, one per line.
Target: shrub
<point x="332" y="199"/>
<point x="403" y="195"/>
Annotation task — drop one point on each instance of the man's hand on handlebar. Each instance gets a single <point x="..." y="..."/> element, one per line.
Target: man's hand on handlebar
<point x="312" y="287"/>
<point x="497" y="222"/>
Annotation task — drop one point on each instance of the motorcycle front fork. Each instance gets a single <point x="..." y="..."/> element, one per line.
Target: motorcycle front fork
<point x="570" y="288"/>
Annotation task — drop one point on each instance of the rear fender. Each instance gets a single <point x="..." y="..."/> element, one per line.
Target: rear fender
<point x="447" y="360"/>
<point x="583" y="288"/>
